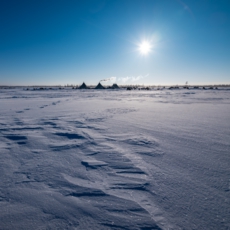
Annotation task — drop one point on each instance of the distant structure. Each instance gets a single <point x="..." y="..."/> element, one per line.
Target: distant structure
<point x="99" y="86"/>
<point x="83" y="86"/>
<point x="115" y="86"/>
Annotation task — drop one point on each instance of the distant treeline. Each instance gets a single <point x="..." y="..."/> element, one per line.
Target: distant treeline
<point x="121" y="86"/>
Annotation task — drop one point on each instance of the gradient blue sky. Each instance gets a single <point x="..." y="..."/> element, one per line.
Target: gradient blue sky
<point x="68" y="42"/>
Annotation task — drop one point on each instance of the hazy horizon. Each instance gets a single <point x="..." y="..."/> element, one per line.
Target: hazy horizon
<point x="121" y="85"/>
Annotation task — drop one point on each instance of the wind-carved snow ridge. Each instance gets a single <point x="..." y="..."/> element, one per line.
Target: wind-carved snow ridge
<point x="83" y="160"/>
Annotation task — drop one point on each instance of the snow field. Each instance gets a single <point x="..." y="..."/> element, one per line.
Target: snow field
<point x="114" y="159"/>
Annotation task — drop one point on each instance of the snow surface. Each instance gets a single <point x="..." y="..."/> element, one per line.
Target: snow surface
<point x="114" y="159"/>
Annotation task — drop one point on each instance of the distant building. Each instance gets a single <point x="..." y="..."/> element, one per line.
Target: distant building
<point x="83" y="86"/>
<point x="115" y="86"/>
<point x="99" y="86"/>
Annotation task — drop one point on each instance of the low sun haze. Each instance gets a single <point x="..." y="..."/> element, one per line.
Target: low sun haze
<point x="132" y="41"/>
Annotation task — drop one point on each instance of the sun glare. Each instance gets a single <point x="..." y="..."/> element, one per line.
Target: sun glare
<point x="145" y="47"/>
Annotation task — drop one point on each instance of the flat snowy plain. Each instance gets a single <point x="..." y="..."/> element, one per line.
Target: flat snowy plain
<point x="114" y="159"/>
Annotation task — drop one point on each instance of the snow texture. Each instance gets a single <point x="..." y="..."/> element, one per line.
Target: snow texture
<point x="114" y="159"/>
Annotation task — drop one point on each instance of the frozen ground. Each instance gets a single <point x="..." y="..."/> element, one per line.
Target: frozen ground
<point x="72" y="159"/>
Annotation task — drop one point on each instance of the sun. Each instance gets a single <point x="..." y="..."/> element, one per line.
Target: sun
<point x="145" y="47"/>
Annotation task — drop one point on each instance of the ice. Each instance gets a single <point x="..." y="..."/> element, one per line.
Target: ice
<point x="114" y="159"/>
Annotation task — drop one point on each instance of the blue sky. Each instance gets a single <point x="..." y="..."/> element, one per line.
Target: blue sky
<point x="68" y="42"/>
